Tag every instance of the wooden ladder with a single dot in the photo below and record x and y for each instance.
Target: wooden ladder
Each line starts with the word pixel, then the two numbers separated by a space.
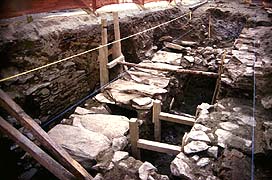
pixel 64 168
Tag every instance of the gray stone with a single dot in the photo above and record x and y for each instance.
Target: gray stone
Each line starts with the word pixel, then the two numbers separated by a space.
pixel 27 175
pixel 203 162
pixel 112 126
pixel 195 146
pixel 119 143
pixel 190 59
pixel 36 87
pixel 213 151
pixel 195 157
pixel 245 119
pixel 228 126
pixel 81 144
pixel 198 136
pixel 179 167
pixel 82 111
pixel 145 170
pixel 119 155
pixel 99 176
pixel 226 138
pixel 200 127
pixel 267 102
pixel 142 101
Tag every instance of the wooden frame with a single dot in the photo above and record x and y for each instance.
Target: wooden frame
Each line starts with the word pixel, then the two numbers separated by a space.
pixel 104 52
pixel 137 144
pixel 39 155
pixel 158 116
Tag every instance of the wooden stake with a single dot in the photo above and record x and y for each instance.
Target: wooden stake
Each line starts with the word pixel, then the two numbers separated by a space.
pixel 60 154
pixel 156 120
pixel 218 81
pixel 183 71
pixel 103 55
pixel 44 159
pixel 134 137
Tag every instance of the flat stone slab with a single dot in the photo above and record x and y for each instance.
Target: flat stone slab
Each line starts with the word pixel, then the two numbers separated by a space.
pixel 167 57
pixel 80 143
pixel 112 126
pixel 148 78
pixel 132 87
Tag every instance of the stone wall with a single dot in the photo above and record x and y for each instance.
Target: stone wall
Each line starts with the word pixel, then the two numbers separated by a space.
pixel 27 44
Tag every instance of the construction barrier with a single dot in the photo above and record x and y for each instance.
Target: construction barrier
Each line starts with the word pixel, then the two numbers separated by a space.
pixel 13 8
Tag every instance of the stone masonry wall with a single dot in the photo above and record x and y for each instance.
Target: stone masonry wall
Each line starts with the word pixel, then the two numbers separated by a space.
pixel 28 44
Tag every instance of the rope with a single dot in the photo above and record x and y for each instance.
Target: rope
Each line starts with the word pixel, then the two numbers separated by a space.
pixel 88 51
pixel 253 111
pixel 93 93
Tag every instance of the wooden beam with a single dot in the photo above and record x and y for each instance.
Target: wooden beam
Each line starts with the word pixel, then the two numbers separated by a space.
pixel 115 62
pixel 159 147
pixel 182 71
pixel 155 119
pixel 60 154
pixel 44 159
pixel 103 55
pixel 134 137
pixel 177 119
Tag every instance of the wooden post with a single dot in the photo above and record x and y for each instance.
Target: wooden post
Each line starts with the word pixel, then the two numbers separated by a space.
pixel 117 51
pixel 156 120
pixel 44 159
pixel 134 137
pixel 103 55
pixel 60 154
pixel 117 47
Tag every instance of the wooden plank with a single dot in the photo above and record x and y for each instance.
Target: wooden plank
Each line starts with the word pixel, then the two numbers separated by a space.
pixel 60 154
pixel 103 55
pixel 39 155
pixel 158 147
pixel 177 119
pixel 115 62
pixel 134 137
pixel 155 119
pixel 182 71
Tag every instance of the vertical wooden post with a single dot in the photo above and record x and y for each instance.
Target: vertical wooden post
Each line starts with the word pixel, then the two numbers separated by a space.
pixel 156 120
pixel 103 55
pixel 116 46
pixel 134 137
